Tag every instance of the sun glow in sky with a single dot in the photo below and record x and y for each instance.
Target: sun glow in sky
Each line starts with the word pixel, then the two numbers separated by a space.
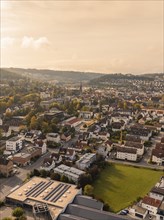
pixel 100 36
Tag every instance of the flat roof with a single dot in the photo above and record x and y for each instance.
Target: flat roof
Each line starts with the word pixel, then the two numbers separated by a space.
pixel 55 194
pixel 16 138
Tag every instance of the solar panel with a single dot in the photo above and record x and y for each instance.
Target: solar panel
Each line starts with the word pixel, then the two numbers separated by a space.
pixel 56 197
pixel 42 189
pixel 34 188
pixel 53 191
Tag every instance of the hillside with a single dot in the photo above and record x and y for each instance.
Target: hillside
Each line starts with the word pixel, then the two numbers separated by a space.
pixel 111 78
pixel 55 75
pixel 8 75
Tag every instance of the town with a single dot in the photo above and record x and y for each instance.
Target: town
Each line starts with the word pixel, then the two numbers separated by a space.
pixel 57 140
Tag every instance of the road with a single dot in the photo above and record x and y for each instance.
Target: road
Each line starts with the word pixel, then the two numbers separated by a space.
pixel 150 166
pixel 6 184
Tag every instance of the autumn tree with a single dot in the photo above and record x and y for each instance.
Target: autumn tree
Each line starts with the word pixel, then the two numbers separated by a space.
pixel 88 190
pixel 33 122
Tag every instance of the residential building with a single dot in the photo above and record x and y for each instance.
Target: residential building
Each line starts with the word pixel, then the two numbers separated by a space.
pixel 151 204
pixel 48 164
pixel 85 161
pixel 54 137
pixel 135 145
pixel 124 153
pixel 71 172
pixel 14 144
pixel 138 211
pixel 6 166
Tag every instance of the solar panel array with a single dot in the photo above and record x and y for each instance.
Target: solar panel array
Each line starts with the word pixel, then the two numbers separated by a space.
pixel 34 188
pixel 53 191
pixel 53 195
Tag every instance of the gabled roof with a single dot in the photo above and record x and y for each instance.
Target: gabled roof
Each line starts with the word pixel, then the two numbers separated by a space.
pixel 151 201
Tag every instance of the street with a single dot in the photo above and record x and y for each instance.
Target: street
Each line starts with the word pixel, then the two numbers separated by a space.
pixel 6 184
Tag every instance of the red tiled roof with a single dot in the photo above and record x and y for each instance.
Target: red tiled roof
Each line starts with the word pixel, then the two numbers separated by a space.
pixel 150 201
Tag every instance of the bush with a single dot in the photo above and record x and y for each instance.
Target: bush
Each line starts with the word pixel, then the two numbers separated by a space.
pixel 1 203
pixel 18 212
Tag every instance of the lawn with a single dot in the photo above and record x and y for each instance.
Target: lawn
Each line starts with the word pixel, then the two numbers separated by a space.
pixel 120 185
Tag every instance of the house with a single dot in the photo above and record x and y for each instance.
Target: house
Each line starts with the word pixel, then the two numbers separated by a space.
pixel 151 204
pixel 53 137
pixel 158 154
pixel 6 166
pixel 157 193
pixel 24 157
pixel 71 172
pixel 138 211
pixel 142 133
pixel 85 114
pixel 6 132
pixel 21 159
pixel 73 122
pixel 29 136
pixel 104 135
pixel 160 212
pixel 85 161
pixel 42 145
pixel 133 138
pixel 105 148
pixel 118 126
pixel 14 144
pixel 45 95
pixel 15 123
pixel 124 153
pixel 66 136
pixel 71 154
pixel 135 145
pixel 48 164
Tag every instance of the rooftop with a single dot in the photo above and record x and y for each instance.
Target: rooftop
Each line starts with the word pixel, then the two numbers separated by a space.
pixel 39 190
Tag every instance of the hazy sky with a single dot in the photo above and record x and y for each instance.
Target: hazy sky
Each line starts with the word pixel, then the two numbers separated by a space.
pixel 102 36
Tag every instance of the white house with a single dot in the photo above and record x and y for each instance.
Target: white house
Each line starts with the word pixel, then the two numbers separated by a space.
pixel 138 211
pixel 14 144
pixel 48 164
pixel 124 153
pixel 54 137
pixel 157 193
pixel 85 161
pixel 41 144
pixel 135 145
pixel 151 204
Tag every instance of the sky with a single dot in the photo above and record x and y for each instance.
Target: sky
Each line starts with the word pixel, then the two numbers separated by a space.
pixel 101 36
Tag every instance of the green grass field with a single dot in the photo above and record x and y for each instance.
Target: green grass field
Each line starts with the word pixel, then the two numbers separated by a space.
pixel 120 185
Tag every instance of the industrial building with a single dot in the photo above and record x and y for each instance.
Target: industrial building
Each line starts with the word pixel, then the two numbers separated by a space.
pixel 57 201
pixel 39 192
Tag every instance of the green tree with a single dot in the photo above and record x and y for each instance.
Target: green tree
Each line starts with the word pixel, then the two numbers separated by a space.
pixel 64 179
pixel 106 207
pixel 18 212
pixel 55 176
pixel 84 179
pixel 88 190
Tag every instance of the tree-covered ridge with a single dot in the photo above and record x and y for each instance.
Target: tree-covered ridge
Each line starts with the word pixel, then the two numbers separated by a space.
pixel 58 75
pixel 8 75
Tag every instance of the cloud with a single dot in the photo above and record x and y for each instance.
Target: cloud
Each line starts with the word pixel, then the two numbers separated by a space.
pixel 34 43
pixel 7 42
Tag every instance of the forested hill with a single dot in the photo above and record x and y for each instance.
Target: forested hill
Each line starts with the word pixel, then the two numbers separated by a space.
pixel 51 75
pixel 111 78
pixel 8 75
